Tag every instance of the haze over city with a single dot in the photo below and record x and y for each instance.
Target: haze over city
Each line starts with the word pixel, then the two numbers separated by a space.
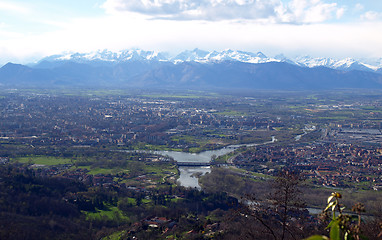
pixel 30 30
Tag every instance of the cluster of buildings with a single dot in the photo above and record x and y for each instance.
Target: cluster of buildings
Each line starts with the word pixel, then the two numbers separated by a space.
pixel 354 135
pixel 123 121
pixel 326 164
pixel 184 123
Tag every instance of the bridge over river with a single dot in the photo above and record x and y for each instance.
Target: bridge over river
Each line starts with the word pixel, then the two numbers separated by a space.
pixel 193 164
pixel 201 164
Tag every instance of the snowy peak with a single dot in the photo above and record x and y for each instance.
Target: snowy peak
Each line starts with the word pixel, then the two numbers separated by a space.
pixel 108 56
pixel 195 55
pixel 346 64
pixel 231 55
pixel 201 56
pixel 140 55
pixel 191 56
pixel 351 64
pixel 227 55
pixel 309 62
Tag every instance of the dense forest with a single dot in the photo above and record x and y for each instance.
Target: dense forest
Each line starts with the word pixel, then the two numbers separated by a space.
pixel 57 208
pixel 35 207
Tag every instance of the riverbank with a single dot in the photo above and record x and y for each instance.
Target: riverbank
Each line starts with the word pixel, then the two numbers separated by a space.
pixel 215 145
pixel 187 176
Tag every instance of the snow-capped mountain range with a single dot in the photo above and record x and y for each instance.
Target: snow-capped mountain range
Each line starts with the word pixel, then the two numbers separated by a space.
pixel 108 56
pixel 195 69
pixel 202 56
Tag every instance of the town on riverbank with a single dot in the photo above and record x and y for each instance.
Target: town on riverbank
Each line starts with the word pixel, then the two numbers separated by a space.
pixel 125 153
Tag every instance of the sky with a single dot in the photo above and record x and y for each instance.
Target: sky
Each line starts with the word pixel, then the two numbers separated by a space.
pixel 32 29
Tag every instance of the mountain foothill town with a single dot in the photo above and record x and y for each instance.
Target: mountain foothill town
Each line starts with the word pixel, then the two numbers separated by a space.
pixel 203 145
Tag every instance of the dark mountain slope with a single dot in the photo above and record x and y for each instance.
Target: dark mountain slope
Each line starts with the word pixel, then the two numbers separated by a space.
pixel 187 75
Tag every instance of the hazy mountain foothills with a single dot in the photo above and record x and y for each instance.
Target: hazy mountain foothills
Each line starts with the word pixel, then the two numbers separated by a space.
pixel 196 69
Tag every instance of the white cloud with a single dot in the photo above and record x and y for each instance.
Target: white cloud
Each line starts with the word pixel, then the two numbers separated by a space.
pixel 371 16
pixel 340 12
pixel 116 32
pixel 6 32
pixel 296 11
pixel 359 7
pixel 124 29
pixel 314 11
pixel 13 7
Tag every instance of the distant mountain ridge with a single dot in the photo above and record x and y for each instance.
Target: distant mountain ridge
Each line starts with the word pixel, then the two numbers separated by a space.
pixel 195 69
pixel 202 56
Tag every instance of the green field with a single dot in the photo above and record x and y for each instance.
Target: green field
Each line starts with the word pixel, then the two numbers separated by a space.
pixel 150 147
pixel 97 170
pixel 115 236
pixel 191 96
pixel 334 118
pixel 43 160
pixel 110 213
pixel 232 113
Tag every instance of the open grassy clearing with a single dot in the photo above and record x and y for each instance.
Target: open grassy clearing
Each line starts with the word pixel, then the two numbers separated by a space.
pixel 232 113
pixel 95 171
pixel 43 160
pixel 191 96
pixel 115 236
pixel 110 213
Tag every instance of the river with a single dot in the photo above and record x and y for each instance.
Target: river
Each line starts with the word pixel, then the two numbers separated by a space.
pixel 307 129
pixel 187 176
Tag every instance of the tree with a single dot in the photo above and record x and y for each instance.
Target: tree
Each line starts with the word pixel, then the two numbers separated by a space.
pixel 286 199
pixel 282 213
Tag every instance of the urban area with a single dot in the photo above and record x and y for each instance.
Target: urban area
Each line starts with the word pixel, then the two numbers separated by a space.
pixel 103 164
